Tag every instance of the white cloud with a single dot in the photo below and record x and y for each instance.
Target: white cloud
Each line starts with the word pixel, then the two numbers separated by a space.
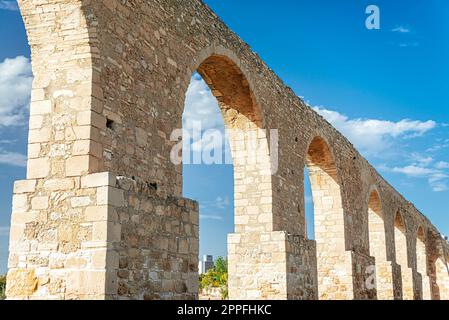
pixel 9 5
pixel 437 179
pixel 414 171
pixel 4 231
pixel 13 159
pixel 372 136
pixel 15 88
pixel 201 106
pixel 203 121
pixel 442 165
pixel 220 203
pixel 422 160
pixel 439 182
pixel 439 146
pixel 401 29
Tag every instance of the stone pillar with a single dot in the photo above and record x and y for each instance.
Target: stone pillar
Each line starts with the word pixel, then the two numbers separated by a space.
pixel 422 267
pixel 56 249
pixel 257 266
pixel 101 237
pixel 271 266
pixel 385 282
pixel 378 249
pixel 402 259
pixel 61 236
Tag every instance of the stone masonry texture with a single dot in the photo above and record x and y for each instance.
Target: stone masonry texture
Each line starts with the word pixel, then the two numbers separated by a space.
pixel 101 213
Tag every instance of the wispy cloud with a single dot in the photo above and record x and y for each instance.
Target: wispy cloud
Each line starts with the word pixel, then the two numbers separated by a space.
pixel 442 165
pixel 440 145
pixel 421 160
pixel 437 179
pixel 415 171
pixel 15 89
pixel 372 136
pixel 9 5
pixel 401 29
pixel 408 44
pixel 13 159
pixel 210 217
pixel 308 199
pixel 7 141
pixel 220 203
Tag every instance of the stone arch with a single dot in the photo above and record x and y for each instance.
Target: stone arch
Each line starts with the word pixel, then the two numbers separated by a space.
pixel 247 134
pixel 402 257
pixel 334 262
pixel 248 139
pixel 422 263
pixel 378 246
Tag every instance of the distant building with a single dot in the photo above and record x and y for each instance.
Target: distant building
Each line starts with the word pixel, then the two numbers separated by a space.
pixel 206 264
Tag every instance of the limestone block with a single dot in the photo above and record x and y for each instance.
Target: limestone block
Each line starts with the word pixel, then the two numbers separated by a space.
pixel 98 180
pixel 40 107
pixel 38 168
pixel 21 283
pixel 39 135
pixel 34 150
pixel 80 202
pixel 40 203
pixel 59 184
pixel 110 196
pixel 36 122
pixel 20 203
pixel 77 165
pixel 24 186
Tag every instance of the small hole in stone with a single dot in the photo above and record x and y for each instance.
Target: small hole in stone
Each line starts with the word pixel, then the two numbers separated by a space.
pixel 110 124
pixel 152 186
pixel 296 139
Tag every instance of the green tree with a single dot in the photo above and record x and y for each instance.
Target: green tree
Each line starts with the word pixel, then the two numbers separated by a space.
pixel 221 265
pixel 2 287
pixel 216 277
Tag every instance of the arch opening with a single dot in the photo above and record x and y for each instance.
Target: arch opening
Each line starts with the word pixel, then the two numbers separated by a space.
pixel 333 261
pixel 402 258
pixel 230 143
pixel 378 248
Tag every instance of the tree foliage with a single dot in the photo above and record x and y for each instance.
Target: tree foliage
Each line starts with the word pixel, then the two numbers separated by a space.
pixel 2 287
pixel 216 277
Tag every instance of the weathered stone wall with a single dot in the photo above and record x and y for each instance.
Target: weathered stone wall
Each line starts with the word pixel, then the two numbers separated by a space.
pixel 109 89
pixel 302 270
pixel 159 245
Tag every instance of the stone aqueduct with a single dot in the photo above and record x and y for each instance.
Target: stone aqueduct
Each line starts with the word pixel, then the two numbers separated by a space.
pixel 101 214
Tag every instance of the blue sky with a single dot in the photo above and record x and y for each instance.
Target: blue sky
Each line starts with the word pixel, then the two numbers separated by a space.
pixel 386 90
